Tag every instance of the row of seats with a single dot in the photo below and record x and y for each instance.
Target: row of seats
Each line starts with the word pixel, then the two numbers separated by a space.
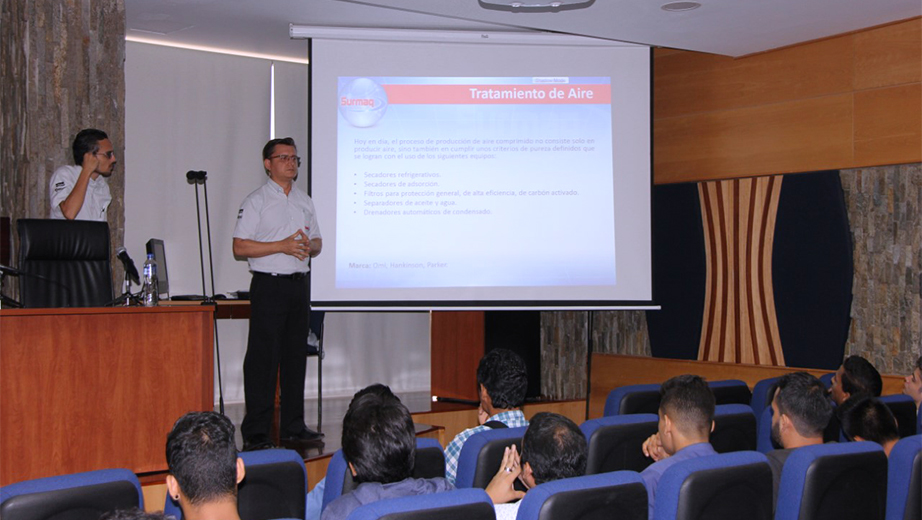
pixel 827 481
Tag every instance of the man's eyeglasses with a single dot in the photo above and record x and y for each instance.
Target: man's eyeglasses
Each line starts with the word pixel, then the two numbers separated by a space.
pixel 288 158
pixel 110 154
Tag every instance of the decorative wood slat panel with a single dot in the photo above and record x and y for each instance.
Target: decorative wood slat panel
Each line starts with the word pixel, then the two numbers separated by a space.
pixel 739 324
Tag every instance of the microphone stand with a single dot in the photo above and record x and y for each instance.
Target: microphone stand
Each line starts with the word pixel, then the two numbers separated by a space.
pixel 196 177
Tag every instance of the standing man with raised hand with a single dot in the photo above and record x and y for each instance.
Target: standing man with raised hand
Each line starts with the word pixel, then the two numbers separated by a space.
pixel 277 232
pixel 81 192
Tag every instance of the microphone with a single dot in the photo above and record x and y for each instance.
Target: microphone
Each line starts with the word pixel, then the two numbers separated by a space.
pixel 194 176
pixel 130 269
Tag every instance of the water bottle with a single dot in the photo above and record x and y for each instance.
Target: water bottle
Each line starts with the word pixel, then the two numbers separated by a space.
pixel 150 289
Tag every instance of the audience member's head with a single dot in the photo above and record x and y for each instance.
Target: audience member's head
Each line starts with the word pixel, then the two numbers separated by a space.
pixel 856 376
pixel 203 463
pixel 869 419
pixel 503 381
pixel 379 441
pixel 86 141
pixel 134 514
pixel 553 448
pixel 912 384
pixel 686 412
pixel 800 410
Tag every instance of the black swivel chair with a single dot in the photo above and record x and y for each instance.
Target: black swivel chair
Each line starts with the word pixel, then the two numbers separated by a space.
pixel 65 263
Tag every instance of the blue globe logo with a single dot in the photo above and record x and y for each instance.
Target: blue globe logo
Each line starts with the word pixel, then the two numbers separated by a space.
pixel 362 102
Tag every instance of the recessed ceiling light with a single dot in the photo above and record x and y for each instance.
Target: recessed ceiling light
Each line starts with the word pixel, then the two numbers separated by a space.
pixel 680 6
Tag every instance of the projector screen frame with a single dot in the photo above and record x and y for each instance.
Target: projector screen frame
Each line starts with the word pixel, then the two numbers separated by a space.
pixel 395 305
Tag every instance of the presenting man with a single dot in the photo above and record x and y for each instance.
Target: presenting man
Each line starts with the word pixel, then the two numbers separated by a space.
pixel 81 192
pixel 277 232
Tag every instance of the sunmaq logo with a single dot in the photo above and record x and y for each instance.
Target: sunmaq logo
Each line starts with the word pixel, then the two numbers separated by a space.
pixel 362 102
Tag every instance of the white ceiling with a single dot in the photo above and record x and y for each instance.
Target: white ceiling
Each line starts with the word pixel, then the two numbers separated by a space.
pixel 728 27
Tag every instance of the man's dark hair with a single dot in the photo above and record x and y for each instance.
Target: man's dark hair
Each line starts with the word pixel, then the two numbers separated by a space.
pixel 87 140
pixel 860 377
pixel 918 364
pixel 802 397
pixel 502 373
pixel 378 438
pixel 554 447
pixel 689 401
pixel 270 146
pixel 202 456
pixel 870 419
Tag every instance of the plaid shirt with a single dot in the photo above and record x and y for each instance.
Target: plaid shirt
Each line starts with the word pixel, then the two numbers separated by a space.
pixel 512 419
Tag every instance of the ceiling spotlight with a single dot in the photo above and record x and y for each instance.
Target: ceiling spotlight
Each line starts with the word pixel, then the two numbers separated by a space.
pixel 535 6
pixel 680 6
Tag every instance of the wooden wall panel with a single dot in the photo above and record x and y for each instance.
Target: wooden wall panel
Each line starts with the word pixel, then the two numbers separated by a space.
pixel 687 83
pixel 457 344
pixel 890 55
pixel 804 135
pixel 739 323
pixel 893 139
pixel 815 106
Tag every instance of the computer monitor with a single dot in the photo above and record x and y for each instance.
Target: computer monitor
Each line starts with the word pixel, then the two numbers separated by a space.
pixel 155 246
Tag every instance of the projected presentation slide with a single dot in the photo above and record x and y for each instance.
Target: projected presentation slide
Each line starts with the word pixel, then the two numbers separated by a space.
pixel 474 181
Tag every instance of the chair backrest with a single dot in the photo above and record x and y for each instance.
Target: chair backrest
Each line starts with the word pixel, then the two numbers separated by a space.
pixel 728 485
pixel 459 504
pixel 633 399
pixel 71 256
pixel 827 379
pixel 615 442
pixel 904 409
pixel 79 496
pixel 593 497
pixel 482 454
pixel 764 443
pixel 734 428
pixel 904 480
pixel 731 391
pixel 833 481
pixel 275 486
pixel 430 463
pixel 762 396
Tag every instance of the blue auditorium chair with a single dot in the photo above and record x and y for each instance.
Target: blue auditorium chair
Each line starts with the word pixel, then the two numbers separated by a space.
pixel 762 394
pixel 275 486
pixel 734 428
pixel 430 463
pixel 615 442
pixel 482 454
pixel 459 504
pixel 835 481
pixel 727 485
pixel 633 399
pixel 827 379
pixel 731 391
pixel 585 498
pixel 78 496
pixel 904 409
pixel 764 442
pixel 904 481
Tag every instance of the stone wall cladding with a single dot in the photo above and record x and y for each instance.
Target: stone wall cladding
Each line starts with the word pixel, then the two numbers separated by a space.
pixel 885 214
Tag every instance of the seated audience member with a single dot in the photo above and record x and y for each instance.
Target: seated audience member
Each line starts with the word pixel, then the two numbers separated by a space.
pixel 869 419
pixel 912 384
pixel 800 413
pixel 134 514
pixel 204 466
pixel 686 419
pixel 502 382
pixel 855 376
pixel 379 445
pixel 553 448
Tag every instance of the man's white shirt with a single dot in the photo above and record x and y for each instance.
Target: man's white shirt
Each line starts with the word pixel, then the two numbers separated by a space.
pixel 268 215
pixel 97 197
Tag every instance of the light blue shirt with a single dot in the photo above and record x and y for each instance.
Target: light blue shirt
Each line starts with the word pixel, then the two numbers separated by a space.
pixel 655 471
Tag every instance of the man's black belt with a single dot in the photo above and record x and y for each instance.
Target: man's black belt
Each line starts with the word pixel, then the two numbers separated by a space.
pixel 292 276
